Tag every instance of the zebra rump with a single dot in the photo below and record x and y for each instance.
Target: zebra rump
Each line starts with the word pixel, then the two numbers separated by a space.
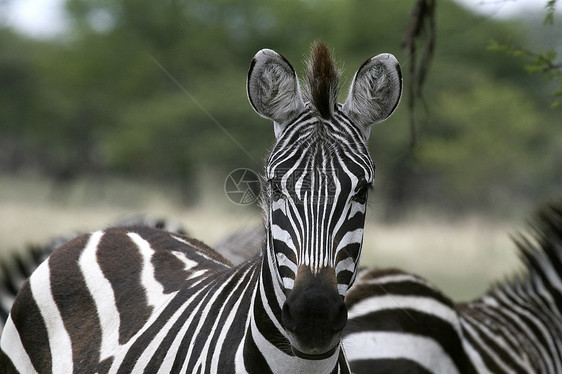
pixel 400 323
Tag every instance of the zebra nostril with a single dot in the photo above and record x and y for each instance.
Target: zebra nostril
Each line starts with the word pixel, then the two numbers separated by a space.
pixel 288 321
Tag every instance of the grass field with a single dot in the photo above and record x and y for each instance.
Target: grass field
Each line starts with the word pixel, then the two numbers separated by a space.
pixel 462 256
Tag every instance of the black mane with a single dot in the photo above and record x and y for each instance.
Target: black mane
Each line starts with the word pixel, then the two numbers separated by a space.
pixel 322 81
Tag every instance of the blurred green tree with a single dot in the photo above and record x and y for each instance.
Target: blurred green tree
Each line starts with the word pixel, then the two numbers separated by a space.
pixel 157 89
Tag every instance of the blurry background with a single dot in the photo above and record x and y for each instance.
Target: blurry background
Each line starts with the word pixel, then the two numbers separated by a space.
pixel 116 107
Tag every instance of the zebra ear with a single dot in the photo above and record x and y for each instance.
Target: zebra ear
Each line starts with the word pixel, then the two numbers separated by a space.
pixel 273 88
pixel 375 91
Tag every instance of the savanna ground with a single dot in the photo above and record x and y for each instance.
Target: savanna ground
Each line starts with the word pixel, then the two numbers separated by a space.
pixel 463 256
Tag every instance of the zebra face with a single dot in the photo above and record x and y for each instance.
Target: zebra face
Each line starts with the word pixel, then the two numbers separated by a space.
pixel 316 195
pixel 318 177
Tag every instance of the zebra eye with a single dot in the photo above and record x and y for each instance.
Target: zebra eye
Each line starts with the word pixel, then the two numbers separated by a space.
pixel 275 190
pixel 362 192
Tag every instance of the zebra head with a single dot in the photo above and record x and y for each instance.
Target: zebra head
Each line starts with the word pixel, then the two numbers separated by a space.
pixel 317 179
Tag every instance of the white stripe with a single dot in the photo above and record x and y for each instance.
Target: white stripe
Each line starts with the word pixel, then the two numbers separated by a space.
pixel 281 363
pixel 355 236
pixel 475 357
pixel 422 304
pixel 536 320
pixel 204 314
pixel 12 346
pixel 482 347
pixel 153 289
pixel 189 263
pixel 239 365
pixel 103 296
pixel 228 324
pixel 200 251
pixel 288 283
pixel 382 345
pixel 148 351
pixel 346 264
pixel 284 236
pixel 342 289
pixel 283 260
pixel 279 296
pixel 344 217
pixel 59 340
pixel 516 313
pixel 172 351
pixel 356 207
pixel 196 274
pixel 549 271
pixel 217 347
pixel 521 321
pixel 397 278
pixel 500 335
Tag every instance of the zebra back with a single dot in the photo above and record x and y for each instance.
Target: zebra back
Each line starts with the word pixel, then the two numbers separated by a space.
pixel 401 323
pixel 17 267
pixel 517 326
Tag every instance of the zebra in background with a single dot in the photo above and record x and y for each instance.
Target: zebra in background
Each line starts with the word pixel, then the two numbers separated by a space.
pixel 130 300
pixel 400 323
pixel 17 267
pixel 242 244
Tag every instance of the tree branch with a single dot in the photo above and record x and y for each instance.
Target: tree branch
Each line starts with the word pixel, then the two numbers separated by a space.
pixel 422 21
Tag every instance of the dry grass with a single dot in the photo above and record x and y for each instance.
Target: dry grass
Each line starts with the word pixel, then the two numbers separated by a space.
pixel 462 257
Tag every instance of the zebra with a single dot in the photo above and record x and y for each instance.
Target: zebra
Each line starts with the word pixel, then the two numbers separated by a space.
pixel 241 244
pixel 401 323
pixel 129 300
pixel 17 267
pixel 237 247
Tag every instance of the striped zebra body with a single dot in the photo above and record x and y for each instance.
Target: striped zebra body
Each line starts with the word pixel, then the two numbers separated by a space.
pixel 172 297
pixel 400 323
pixel 131 300
pixel 15 269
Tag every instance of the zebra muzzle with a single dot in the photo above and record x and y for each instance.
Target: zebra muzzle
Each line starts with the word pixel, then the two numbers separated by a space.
pixel 314 314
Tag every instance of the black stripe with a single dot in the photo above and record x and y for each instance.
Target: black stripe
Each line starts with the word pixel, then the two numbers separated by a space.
pixel 400 288
pixel 486 358
pixel 121 263
pixel 198 343
pixel 387 366
pixel 234 336
pixel 31 328
pixel 254 362
pixel 77 308
pixel 6 364
pixel 236 295
pixel 409 321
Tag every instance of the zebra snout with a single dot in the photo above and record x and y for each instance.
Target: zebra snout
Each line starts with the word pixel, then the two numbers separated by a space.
pixel 314 316
pixel 315 311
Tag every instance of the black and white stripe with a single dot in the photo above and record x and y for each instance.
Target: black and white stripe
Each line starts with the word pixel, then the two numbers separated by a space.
pixel 399 323
pixel 131 300
pixel 17 267
pixel 307 212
